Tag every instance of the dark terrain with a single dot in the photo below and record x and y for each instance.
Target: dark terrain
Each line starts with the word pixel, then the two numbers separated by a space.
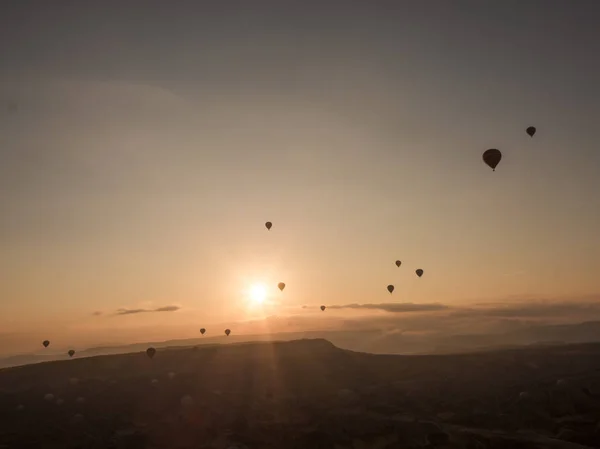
pixel 306 394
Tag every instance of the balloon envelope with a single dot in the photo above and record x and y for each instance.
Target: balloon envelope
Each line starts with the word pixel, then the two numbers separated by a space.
pixel 419 272
pixel 323 307
pixel 531 131
pixel 268 224
pixel 281 286
pixel 46 343
pixel 150 352
pixel 390 288
pixel 492 158
pixel 71 353
pixel 227 332
pixel 398 263
pixel 202 331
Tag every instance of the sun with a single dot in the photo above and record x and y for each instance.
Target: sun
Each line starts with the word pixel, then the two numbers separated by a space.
pixel 258 294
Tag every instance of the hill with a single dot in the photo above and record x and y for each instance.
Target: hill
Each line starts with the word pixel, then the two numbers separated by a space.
pixel 306 393
pixel 374 341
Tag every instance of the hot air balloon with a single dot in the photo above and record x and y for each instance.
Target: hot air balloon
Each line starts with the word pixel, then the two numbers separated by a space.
pixel 71 353
pixel 390 288
pixel 281 286
pixel 227 332
pixel 323 308
pixel 419 272
pixel 398 263
pixel 150 352
pixel 268 224
pixel 187 401
pixel 202 331
pixel 77 419
pixel 46 343
pixel 492 158
pixel 531 131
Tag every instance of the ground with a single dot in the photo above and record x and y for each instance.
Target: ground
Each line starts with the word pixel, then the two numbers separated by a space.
pixel 306 394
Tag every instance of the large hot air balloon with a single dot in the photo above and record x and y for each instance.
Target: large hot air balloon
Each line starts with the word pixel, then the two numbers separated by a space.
pixel 71 353
pixel 398 263
pixel 227 332
pixel 202 331
pixel 492 158
pixel 323 308
pixel 281 286
pixel 531 131
pixel 390 288
pixel 268 224
pixel 419 272
pixel 150 352
pixel 46 343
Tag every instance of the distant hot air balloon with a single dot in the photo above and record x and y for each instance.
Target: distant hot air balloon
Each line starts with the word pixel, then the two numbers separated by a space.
pixel 419 272
pixel 202 331
pixel 268 224
pixel 323 308
pixel 77 419
pixel 398 263
pixel 227 332
pixel 71 353
pixel 187 401
pixel 150 352
pixel 46 343
pixel 281 286
pixel 531 131
pixel 492 158
pixel 390 288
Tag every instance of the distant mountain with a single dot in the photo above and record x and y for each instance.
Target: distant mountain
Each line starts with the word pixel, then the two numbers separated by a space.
pixel 371 341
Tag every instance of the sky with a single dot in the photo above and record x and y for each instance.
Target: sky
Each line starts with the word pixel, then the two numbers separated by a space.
pixel 143 145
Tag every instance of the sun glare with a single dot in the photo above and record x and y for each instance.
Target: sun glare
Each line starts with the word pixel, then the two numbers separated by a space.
pixel 258 294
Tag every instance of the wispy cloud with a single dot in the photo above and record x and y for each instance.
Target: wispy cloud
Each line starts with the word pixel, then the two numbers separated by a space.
pixel 124 311
pixel 97 313
pixel 394 307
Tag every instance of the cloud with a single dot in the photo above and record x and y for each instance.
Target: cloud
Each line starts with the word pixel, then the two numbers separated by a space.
pixel 97 313
pixel 124 311
pixel 394 307
pixel 540 309
pixel 167 309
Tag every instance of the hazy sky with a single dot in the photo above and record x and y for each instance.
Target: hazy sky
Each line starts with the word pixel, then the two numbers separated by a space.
pixel 151 140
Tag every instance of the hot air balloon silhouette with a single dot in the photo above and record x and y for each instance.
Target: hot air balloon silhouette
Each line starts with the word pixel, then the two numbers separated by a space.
pixel 202 331
pixel 268 224
pixel 398 263
pixel 281 286
pixel 71 353
pixel 227 332
pixel 390 288
pixel 492 158
pixel 46 343
pixel 150 352
pixel 531 131
pixel 419 272
pixel 323 308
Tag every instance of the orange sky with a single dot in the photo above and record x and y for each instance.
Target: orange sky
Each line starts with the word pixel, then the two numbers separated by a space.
pixel 126 190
